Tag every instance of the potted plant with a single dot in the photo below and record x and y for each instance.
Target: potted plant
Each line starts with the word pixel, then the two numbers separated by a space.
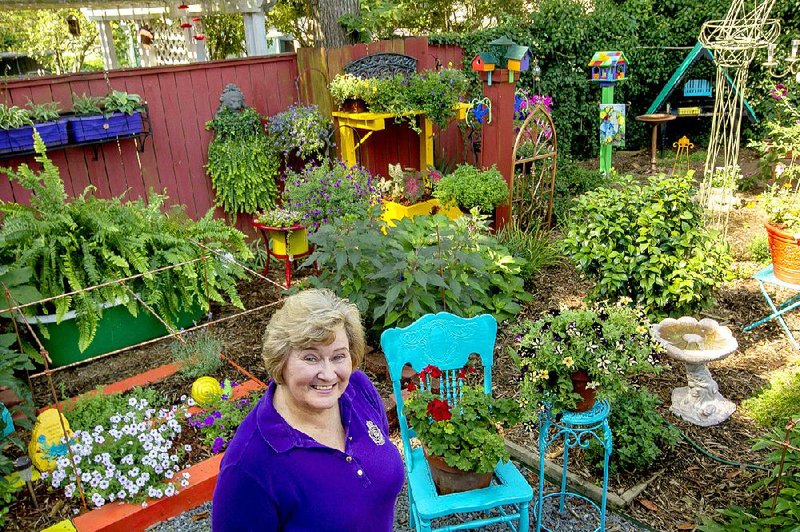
pixel 781 202
pixel 88 241
pixel 287 234
pixel 408 193
pixel 14 123
pixel 329 191
pixel 348 93
pixel 301 131
pixel 461 439
pixel 568 358
pixel 469 187
pixel 121 115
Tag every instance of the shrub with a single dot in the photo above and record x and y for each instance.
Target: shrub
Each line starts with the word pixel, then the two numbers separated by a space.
pixel 641 435
pixel 242 162
pixel 648 243
pixel 199 354
pixel 422 265
pixel 470 187
pixel 759 249
pixel 778 401
pixel 532 244
pixel 330 191
pixel 572 180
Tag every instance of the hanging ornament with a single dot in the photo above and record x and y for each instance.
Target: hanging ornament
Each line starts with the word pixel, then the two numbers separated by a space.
pixel 186 25
pixel 199 37
pixel 183 6
pixel 195 19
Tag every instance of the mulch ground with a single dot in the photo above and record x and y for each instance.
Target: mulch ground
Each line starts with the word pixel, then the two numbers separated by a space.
pixel 684 485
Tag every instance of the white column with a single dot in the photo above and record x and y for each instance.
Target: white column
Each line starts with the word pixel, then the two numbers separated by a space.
pixel 107 44
pixel 255 33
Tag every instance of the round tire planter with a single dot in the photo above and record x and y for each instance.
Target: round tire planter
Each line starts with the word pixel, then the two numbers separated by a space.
pixel 588 395
pixel 785 250
pixel 117 328
pixel 452 480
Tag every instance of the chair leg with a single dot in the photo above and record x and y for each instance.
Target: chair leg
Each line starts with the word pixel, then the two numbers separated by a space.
pixel 524 519
pixel 562 498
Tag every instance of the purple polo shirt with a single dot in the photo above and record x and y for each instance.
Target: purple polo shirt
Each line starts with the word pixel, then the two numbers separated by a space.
pixel 274 477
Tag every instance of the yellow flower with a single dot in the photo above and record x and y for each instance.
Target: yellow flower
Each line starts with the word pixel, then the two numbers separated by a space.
pixel 374 90
pixel 787 185
pixel 751 205
pixel 568 361
pixel 449 64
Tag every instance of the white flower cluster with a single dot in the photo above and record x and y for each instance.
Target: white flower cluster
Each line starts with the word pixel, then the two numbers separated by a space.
pixel 132 458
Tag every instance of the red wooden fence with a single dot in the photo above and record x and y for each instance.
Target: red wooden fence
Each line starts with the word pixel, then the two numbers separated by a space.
pixel 181 100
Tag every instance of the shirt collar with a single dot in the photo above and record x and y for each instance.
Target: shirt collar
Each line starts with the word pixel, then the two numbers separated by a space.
pixel 283 437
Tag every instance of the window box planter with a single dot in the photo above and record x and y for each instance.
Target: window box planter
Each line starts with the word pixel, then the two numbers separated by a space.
pixel 21 139
pixel 393 211
pixel 98 127
pixel 117 329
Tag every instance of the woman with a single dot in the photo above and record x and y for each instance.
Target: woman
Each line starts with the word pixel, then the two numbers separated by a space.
pixel 314 454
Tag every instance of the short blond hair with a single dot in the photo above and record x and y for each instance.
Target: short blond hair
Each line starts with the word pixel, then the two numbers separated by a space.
pixel 308 318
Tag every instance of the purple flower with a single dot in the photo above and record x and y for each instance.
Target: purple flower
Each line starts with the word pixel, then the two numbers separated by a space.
pixel 218 445
pixel 209 421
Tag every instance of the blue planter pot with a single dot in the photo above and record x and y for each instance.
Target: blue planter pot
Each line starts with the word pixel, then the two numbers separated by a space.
pixel 99 127
pixel 21 139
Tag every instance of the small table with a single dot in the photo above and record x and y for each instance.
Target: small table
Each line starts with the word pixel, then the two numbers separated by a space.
pixel 656 119
pixel 577 429
pixel 285 254
pixel 767 275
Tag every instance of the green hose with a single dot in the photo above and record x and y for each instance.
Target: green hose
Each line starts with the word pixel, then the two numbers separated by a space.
pixel 717 458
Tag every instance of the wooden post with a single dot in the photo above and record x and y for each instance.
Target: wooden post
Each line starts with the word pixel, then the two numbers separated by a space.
pixel 606 97
pixel 498 137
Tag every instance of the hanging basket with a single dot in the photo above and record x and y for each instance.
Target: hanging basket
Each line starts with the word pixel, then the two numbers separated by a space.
pixel 452 480
pixel 785 250
pixel 588 395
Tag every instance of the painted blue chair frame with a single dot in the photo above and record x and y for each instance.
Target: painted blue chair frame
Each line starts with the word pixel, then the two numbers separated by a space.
pixel 767 276
pixel 446 341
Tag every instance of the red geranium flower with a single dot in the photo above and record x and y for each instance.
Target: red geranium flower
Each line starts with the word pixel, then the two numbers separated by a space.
pixel 462 373
pixel 411 386
pixel 431 370
pixel 439 410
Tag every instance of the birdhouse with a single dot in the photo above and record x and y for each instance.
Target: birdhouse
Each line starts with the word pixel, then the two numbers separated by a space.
pixel 484 62
pixel 608 67
pixel 518 58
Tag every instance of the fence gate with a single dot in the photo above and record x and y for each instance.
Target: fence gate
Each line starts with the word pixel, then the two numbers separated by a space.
pixel 535 162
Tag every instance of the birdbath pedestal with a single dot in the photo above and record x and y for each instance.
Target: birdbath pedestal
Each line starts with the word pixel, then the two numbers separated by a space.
pixel 696 343
pixel 656 119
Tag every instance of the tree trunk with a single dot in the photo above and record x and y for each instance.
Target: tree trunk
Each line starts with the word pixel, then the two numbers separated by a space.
pixel 328 32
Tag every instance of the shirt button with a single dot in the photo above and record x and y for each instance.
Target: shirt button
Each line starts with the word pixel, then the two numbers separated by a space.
pixel 360 473
pixel 350 438
pixel 349 459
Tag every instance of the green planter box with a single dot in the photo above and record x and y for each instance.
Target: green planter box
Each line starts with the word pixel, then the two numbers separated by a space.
pixel 117 329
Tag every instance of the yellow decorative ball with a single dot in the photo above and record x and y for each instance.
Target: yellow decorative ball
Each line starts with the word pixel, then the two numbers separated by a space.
pixel 206 390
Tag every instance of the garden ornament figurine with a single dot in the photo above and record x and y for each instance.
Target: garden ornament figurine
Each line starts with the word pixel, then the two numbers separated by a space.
pixel 315 452
pixel 231 98
pixel 683 145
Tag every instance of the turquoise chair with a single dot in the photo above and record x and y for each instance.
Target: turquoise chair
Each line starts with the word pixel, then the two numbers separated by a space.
pixel 446 341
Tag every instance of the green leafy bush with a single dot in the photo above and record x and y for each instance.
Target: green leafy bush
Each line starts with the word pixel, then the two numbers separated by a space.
pixel 641 435
pixel 422 265
pixel 199 354
pixel 470 187
pixel 95 408
pixel 330 191
pixel 242 162
pixel 43 112
pixel 775 405
pixel 648 243
pixel 759 249
pixel 532 244
pixel 86 241
pixel 121 102
pixel 784 517
pixel 572 180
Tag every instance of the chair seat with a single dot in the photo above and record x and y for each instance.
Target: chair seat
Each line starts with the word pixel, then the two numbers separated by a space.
pixel 509 487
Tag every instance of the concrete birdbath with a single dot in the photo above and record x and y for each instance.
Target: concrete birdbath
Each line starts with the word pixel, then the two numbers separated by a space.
pixel 696 343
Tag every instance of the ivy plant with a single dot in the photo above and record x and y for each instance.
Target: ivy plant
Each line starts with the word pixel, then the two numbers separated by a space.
pixel 422 265
pixel 74 244
pixel 242 162
pixel 647 243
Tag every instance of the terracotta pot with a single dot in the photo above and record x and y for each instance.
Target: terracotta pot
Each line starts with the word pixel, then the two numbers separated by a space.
pixel 354 105
pixel 579 381
pixel 785 251
pixel 451 480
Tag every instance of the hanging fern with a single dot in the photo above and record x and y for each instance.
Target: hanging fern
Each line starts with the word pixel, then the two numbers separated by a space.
pixel 242 163
pixel 72 245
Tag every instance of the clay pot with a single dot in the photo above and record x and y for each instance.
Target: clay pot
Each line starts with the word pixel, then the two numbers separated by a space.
pixel 451 480
pixel 785 251
pixel 579 381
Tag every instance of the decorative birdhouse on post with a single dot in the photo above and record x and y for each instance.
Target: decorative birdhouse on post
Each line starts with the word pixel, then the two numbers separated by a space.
pixel 511 56
pixel 608 67
pixel 485 62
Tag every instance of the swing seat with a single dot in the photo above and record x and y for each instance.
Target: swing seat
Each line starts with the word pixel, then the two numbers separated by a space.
pixel 697 87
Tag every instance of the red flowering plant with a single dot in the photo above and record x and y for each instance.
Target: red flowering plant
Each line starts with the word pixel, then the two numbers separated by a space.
pixel 465 431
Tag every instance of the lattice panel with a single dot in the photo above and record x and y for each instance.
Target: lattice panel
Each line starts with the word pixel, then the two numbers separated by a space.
pixel 169 42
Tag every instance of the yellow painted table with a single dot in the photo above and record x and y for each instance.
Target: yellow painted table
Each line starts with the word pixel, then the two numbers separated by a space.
pixel 371 122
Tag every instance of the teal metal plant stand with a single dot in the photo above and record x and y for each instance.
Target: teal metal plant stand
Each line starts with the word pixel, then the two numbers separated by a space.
pixel 767 276
pixel 577 429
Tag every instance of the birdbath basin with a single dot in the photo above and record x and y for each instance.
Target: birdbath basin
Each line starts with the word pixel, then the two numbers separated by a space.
pixel 656 119
pixel 696 343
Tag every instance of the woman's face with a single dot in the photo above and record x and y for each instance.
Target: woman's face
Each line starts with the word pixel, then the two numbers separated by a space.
pixel 315 377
